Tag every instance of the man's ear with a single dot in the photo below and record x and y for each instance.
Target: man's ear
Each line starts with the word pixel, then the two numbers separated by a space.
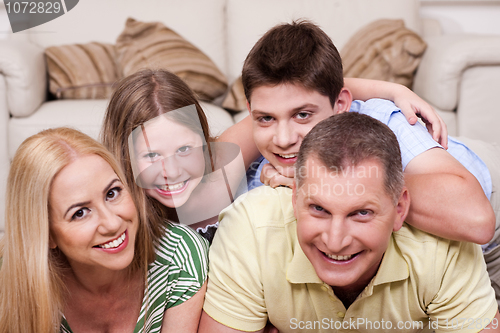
pixel 343 103
pixel 402 208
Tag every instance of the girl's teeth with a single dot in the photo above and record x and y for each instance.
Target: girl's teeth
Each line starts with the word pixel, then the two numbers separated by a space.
pixel 171 187
pixel 339 258
pixel 117 242
pixel 288 156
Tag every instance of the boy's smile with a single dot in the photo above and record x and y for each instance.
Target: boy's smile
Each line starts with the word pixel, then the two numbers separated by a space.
pixel 282 115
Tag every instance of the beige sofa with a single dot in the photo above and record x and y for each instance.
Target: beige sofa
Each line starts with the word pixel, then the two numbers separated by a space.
pixel 459 75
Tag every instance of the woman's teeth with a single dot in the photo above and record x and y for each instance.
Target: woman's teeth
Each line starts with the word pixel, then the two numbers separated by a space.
pixel 339 258
pixel 172 187
pixel 117 242
pixel 288 155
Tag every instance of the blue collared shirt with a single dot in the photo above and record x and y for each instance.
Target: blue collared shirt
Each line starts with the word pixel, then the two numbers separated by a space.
pixel 413 140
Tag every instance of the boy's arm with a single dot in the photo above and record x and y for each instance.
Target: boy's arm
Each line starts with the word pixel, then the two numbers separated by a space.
pixel 446 199
pixel 241 134
pixel 410 103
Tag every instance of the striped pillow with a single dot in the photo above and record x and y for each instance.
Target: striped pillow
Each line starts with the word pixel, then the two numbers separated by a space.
pixel 82 71
pixel 153 45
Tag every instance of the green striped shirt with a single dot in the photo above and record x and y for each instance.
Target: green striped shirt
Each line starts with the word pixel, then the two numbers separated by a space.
pixel 179 271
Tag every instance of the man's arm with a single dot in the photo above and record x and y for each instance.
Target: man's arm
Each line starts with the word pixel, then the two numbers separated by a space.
pixel 209 325
pixel 446 199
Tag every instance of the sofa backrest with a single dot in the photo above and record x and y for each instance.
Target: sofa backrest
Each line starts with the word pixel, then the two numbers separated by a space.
pixel 225 30
pixel 199 21
pixel 248 20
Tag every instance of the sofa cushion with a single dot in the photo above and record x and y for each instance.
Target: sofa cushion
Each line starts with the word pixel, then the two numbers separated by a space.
pixel 235 99
pixel 82 71
pixel 153 45
pixel 383 50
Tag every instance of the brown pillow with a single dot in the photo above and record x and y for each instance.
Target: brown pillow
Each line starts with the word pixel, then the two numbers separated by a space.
pixel 152 45
pixel 383 50
pixel 235 99
pixel 82 71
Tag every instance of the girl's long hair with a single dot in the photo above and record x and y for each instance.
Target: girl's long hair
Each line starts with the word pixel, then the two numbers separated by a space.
pixel 137 99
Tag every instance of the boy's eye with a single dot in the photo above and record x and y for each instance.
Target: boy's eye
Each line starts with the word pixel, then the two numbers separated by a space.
pixel 265 119
pixel 303 115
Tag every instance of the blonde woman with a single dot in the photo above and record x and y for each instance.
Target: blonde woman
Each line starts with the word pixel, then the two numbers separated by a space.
pixel 76 256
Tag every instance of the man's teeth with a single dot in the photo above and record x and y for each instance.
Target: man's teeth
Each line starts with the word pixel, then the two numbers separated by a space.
pixel 288 155
pixel 117 242
pixel 171 187
pixel 339 258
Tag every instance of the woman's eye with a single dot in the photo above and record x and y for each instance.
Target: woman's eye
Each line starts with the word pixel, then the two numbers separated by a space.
pixel 113 193
pixel 79 214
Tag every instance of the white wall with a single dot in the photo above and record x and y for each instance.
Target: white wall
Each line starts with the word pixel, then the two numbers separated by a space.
pixel 455 16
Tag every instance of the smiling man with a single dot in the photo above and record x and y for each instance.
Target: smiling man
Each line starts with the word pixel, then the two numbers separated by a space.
pixel 335 254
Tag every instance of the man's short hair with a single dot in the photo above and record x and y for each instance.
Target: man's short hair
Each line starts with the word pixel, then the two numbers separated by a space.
pixel 347 139
pixel 295 53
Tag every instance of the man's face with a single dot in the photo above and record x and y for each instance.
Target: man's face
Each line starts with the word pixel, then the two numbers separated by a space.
pixel 282 115
pixel 345 220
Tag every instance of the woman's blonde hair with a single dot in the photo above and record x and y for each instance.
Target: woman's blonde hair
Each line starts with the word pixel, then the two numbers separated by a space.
pixel 31 287
pixel 137 99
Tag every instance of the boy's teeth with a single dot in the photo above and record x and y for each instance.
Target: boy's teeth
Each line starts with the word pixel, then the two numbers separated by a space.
pixel 288 156
pixel 339 258
pixel 171 187
pixel 117 242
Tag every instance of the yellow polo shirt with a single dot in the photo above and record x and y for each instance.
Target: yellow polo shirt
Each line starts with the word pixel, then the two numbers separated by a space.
pixel 259 272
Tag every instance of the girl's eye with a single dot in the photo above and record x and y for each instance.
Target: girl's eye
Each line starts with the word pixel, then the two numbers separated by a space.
pixel 113 193
pixel 80 214
pixel 184 149
pixel 152 155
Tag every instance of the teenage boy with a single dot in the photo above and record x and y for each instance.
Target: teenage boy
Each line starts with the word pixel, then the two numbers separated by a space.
pixel 336 255
pixel 293 79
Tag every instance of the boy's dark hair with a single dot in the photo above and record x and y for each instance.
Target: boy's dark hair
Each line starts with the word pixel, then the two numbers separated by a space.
pixel 296 53
pixel 347 139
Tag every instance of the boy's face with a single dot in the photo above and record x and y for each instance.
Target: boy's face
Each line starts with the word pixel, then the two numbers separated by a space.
pixel 283 114
pixel 345 220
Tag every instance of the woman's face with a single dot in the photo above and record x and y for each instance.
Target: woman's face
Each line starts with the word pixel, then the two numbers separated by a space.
pixel 93 219
pixel 169 157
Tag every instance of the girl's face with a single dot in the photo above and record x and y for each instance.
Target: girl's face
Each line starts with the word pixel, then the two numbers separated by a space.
pixel 93 219
pixel 170 160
